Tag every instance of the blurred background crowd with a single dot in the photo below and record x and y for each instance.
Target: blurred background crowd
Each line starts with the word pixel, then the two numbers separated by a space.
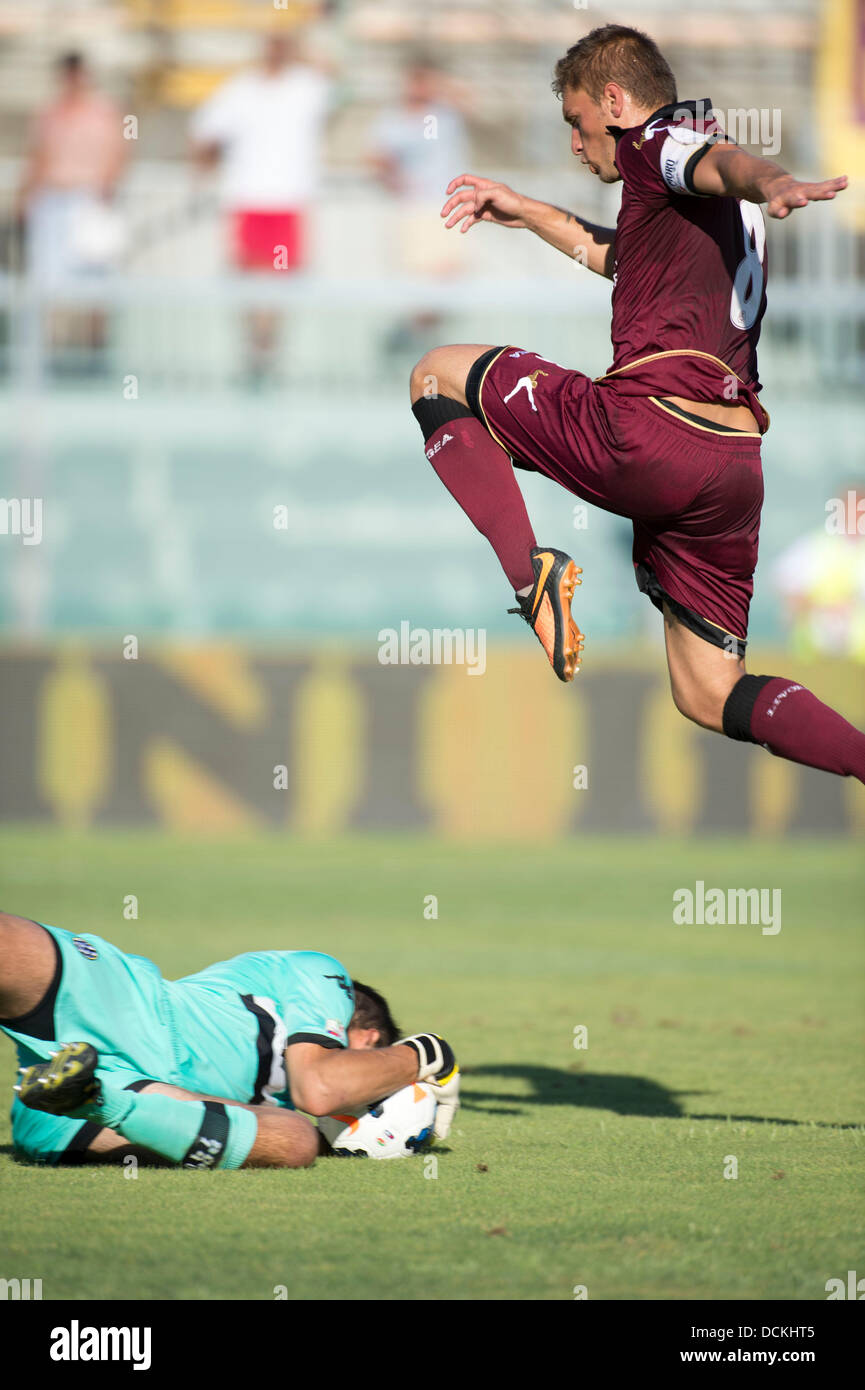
pixel 206 203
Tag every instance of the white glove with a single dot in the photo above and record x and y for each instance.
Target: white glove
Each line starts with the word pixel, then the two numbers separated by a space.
pixel 437 1066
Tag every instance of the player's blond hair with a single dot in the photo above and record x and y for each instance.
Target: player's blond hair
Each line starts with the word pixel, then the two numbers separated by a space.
pixel 614 53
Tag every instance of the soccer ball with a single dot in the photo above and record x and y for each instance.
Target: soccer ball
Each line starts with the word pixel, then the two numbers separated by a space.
pixel 392 1128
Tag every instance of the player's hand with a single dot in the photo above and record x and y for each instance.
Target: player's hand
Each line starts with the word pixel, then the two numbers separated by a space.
pixel 473 199
pixel 785 194
pixel 437 1066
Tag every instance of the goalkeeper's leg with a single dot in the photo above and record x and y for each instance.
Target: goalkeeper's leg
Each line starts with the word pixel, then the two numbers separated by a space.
pixel 190 1131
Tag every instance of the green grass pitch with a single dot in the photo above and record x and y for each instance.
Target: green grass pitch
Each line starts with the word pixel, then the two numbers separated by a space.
pixel 601 1167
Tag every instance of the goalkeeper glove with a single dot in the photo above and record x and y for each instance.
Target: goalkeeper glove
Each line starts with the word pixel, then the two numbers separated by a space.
pixel 437 1065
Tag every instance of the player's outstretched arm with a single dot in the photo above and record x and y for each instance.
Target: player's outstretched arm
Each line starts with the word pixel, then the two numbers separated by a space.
pixel 730 172
pixel 324 1080
pixel 472 199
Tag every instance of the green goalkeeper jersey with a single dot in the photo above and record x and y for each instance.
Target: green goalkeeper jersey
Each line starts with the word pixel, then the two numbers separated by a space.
pixel 221 1032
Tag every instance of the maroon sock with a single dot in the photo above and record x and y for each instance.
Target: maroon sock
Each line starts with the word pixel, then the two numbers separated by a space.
pixel 792 723
pixel 478 473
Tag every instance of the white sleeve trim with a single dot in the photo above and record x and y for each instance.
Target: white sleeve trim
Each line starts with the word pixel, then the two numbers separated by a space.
pixel 675 155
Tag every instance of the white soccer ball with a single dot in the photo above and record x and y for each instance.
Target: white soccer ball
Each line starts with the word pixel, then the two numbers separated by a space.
pixel 400 1125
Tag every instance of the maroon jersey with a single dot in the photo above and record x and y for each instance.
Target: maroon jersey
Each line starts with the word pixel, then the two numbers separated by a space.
pixel 690 280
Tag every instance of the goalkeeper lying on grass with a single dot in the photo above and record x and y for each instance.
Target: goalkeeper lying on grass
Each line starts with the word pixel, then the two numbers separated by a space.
pixel 206 1072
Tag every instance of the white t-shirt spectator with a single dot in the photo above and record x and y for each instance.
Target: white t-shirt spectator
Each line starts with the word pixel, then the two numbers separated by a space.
pixel 269 128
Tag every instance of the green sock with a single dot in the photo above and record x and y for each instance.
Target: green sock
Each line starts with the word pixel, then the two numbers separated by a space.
pixel 195 1133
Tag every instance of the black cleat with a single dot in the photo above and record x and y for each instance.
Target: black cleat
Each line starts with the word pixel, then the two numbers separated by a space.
pixel 62 1084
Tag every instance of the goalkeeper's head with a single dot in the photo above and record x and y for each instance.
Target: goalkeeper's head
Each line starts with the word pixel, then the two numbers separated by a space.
pixel 372 1023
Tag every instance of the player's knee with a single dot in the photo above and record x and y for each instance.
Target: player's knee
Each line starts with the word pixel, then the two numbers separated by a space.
pixel 305 1148
pixel 284 1141
pixel 425 376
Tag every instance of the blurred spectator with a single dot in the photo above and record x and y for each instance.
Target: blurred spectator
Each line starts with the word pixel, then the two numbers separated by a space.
pixel 264 128
pixel 76 158
pixel 821 578
pixel 417 147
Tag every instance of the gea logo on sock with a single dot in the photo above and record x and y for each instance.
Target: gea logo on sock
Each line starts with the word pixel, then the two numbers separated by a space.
pixel 782 695
pixel 445 439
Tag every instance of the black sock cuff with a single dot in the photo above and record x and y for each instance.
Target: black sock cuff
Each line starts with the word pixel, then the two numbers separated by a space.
pixel 431 412
pixel 740 706
pixel 208 1146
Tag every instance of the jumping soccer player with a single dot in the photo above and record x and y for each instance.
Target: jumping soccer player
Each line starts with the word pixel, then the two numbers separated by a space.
pixel 206 1071
pixel 670 435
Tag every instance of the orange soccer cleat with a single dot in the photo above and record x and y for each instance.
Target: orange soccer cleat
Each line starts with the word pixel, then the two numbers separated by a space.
pixel 547 609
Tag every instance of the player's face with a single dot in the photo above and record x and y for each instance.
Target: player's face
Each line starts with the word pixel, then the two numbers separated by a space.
pixel 591 142
pixel 361 1038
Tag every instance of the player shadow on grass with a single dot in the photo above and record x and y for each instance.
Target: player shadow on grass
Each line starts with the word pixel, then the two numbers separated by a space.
pixel 623 1095
pixel 144 1158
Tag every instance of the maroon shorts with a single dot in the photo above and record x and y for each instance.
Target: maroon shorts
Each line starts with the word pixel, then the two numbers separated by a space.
pixel 270 240
pixel 693 491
